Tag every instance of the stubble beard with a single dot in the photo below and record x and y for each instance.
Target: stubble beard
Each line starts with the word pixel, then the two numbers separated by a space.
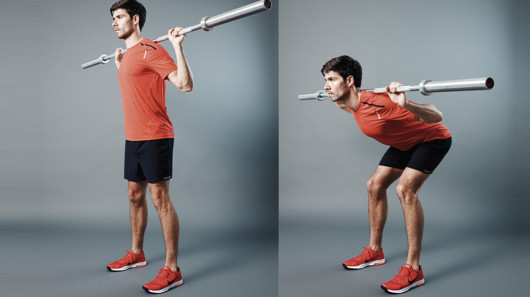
pixel 125 35
pixel 339 98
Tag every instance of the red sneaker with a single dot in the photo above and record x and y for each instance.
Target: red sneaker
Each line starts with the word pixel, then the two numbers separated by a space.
pixel 131 260
pixel 368 257
pixel 406 279
pixel 165 280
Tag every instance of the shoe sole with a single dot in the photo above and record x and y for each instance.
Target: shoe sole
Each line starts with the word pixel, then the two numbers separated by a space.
pixel 412 286
pixel 373 263
pixel 163 290
pixel 135 265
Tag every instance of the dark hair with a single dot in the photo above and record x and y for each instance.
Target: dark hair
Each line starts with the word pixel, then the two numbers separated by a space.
pixel 345 66
pixel 132 7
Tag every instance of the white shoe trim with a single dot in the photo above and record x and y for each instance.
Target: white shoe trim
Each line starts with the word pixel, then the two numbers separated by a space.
pixel 163 290
pixel 405 289
pixel 129 266
pixel 372 263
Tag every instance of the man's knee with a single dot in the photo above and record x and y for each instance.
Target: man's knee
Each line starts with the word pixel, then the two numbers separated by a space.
pixel 375 187
pixel 406 193
pixel 136 196
pixel 160 198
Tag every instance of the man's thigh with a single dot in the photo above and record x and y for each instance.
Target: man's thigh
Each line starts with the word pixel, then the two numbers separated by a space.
pixel 428 155
pixel 159 189
pixel 384 176
pixel 412 179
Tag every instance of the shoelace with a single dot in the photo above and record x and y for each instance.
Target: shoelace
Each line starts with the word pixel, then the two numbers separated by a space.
pixel 163 277
pixel 365 255
pixel 128 257
pixel 403 274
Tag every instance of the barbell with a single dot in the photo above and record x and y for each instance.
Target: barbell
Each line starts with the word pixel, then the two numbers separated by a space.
pixel 426 87
pixel 207 24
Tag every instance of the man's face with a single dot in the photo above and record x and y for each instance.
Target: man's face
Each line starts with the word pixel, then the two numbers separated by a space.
pixel 122 23
pixel 335 86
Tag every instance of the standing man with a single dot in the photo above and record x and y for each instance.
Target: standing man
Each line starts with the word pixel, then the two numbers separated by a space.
pixel 142 73
pixel 418 142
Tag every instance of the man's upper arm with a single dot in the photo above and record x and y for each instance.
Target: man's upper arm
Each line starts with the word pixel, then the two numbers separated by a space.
pixel 433 115
pixel 172 76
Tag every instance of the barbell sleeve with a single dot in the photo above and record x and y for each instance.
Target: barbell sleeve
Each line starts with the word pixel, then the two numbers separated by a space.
pixel 103 59
pixel 320 95
pixel 207 24
pixel 426 87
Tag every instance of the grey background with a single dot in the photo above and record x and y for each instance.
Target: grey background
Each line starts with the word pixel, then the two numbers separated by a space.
pixel 476 203
pixel 64 213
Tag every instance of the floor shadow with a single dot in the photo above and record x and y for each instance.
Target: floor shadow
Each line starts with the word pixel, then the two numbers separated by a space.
pixel 483 243
pixel 230 250
pixel 236 248
pixel 460 265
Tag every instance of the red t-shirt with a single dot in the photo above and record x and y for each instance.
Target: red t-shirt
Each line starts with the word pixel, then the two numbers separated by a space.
pixel 142 74
pixel 385 121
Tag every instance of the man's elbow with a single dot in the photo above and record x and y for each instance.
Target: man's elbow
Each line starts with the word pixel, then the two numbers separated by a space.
pixel 438 117
pixel 186 88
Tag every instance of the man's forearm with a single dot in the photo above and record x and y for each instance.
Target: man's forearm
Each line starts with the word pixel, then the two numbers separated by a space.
pixel 184 79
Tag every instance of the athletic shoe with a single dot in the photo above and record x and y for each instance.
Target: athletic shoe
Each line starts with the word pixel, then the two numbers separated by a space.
pixel 131 260
pixel 367 258
pixel 406 279
pixel 165 280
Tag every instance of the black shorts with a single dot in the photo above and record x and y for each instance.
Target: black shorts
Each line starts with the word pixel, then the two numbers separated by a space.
pixel 150 160
pixel 424 157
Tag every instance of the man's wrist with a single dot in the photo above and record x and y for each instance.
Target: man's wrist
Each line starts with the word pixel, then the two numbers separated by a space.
pixel 177 45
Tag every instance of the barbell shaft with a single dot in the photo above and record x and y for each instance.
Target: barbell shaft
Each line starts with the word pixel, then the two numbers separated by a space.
pixel 207 24
pixel 426 87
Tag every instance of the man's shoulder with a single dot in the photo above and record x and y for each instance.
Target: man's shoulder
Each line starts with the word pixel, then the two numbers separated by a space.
pixel 149 45
pixel 371 97
pixel 154 51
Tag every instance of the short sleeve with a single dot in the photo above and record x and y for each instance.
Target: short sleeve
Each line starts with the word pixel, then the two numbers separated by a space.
pixel 161 62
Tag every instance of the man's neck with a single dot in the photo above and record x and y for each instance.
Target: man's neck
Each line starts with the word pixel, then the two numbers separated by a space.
pixel 133 39
pixel 353 100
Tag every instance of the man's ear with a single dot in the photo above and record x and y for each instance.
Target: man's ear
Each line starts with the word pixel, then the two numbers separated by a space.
pixel 136 19
pixel 350 81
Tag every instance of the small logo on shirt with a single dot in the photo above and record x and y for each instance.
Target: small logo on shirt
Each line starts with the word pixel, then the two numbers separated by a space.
pixel 145 44
pixel 167 177
pixel 373 104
